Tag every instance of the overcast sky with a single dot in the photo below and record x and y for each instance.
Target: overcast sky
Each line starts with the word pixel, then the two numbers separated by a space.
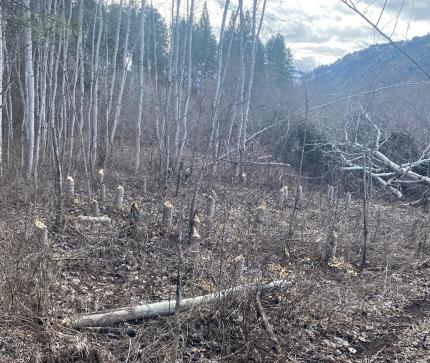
pixel 321 31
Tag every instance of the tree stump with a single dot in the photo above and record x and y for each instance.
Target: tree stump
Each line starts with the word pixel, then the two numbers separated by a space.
pixel 100 176
pixel 119 200
pixel 211 206
pixel 348 200
pixel 167 214
pixel 70 188
pixel 41 231
pixel 95 210
pixel 299 197
pixel 282 195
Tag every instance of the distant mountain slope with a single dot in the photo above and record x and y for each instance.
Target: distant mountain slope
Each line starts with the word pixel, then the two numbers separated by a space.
pixel 376 66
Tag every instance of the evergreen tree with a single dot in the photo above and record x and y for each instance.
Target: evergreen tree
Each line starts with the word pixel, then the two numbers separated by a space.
pixel 279 59
pixel 204 44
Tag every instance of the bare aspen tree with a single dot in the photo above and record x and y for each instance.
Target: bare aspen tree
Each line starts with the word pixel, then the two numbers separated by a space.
pixel 214 138
pixel 113 74
pixel 253 56
pixel 189 86
pixel 139 118
pixel 241 128
pixel 64 65
pixel 178 79
pixel 155 88
pixel 365 261
pixel 42 119
pixel 125 63
pixel 76 73
pixel 95 70
pixel 2 98
pixel 29 86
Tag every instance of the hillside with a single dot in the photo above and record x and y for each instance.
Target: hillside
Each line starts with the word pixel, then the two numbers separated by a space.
pixel 376 66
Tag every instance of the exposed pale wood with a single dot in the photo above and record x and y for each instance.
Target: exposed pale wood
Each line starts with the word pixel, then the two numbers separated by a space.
pixel 102 219
pixel 70 188
pixel 41 231
pixel 162 307
pixel 167 214
pixel 119 200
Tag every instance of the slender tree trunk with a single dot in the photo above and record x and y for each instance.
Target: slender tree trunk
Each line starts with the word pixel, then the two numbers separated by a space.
pixel 139 118
pixel 113 76
pixel 78 66
pixel 94 118
pixel 241 128
pixel 189 85
pixel 215 104
pixel 2 98
pixel 29 85
pixel 255 36
pixel 123 77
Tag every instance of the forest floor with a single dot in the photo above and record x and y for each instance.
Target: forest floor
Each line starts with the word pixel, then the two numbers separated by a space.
pixel 329 314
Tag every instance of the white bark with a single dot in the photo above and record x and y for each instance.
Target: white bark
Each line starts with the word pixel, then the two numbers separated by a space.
pixel 348 199
pixel 163 307
pixel 189 86
pixel 282 195
pixel 255 36
pixel 91 219
pixel 218 89
pixel 125 64
pixel 119 201
pixel 95 209
pixel 29 84
pixel 167 214
pixel 77 71
pixel 70 188
pixel 139 118
pixel 41 231
pixel 113 75
pixel 94 118
pixel 2 98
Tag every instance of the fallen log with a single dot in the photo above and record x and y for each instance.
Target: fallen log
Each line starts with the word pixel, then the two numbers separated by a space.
pixel 102 219
pixel 160 308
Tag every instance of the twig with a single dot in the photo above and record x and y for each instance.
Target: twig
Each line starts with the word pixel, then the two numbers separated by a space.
pixel 266 322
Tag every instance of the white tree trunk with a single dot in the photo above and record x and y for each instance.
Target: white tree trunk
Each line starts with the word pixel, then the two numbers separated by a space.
pixel 29 84
pixel 2 98
pixel 94 118
pixel 163 307
pixel 139 118
pixel 123 77
pixel 189 86
pixel 113 76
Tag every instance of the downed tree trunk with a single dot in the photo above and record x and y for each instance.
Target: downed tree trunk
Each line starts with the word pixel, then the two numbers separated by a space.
pixel 160 308
pixel 102 219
